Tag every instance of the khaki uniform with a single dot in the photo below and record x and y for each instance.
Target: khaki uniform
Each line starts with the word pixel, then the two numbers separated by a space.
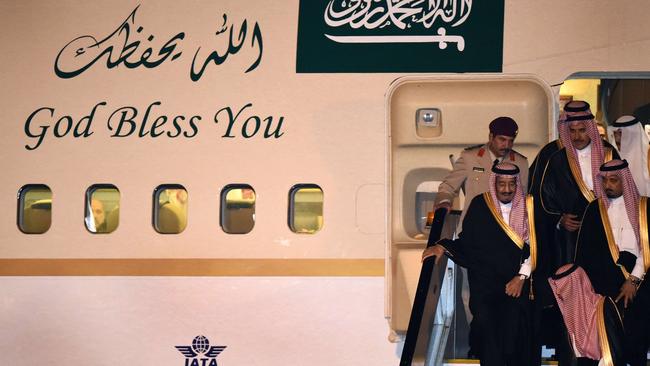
pixel 472 171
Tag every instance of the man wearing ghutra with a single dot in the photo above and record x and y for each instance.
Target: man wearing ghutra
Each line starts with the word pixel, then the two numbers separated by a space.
pixel 613 249
pixel 570 180
pixel 547 321
pixel 537 167
pixel 630 138
pixel 497 246
pixel 472 169
pixel 471 172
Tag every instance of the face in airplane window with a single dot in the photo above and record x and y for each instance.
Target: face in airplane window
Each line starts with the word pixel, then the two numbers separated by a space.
pixel 99 216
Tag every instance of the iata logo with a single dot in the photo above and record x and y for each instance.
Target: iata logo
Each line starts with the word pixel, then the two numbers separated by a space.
pixel 200 347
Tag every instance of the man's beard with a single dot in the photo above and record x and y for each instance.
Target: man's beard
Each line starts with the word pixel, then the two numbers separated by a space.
pixel 611 194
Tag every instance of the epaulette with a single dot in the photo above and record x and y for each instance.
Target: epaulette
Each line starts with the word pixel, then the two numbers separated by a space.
pixel 473 147
pixel 514 153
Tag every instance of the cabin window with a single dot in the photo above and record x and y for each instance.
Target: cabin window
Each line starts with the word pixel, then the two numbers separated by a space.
pixel 34 208
pixel 305 208
pixel 425 196
pixel 102 208
pixel 170 209
pixel 237 209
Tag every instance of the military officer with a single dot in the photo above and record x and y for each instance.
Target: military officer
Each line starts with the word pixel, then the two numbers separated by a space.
pixel 472 169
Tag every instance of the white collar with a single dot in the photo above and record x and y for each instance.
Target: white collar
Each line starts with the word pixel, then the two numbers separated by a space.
pixel 616 201
pixel 506 205
pixel 586 150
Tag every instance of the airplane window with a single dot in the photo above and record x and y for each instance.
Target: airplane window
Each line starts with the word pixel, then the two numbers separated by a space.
pixel 102 208
pixel 238 209
pixel 34 208
pixel 425 195
pixel 170 209
pixel 305 208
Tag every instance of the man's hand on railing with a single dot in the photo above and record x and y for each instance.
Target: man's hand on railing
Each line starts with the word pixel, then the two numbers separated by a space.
pixel 437 250
pixel 444 204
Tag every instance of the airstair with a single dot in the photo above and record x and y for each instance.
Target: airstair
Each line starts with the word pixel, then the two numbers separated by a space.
pixel 435 336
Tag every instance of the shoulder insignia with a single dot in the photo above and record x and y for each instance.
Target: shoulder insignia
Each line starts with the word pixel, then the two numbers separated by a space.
pixel 481 152
pixel 473 147
pixel 514 154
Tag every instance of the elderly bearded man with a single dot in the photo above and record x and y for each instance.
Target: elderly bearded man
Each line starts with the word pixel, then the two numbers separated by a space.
pixel 471 172
pixel 494 246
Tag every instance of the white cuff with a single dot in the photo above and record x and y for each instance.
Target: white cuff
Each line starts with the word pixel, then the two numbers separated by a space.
pixel 525 268
pixel 638 270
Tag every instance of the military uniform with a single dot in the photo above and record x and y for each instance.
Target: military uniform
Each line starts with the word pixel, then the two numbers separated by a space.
pixel 472 170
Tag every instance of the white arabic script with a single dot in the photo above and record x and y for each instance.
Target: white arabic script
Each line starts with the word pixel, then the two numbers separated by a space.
pixel 371 14
pixel 402 14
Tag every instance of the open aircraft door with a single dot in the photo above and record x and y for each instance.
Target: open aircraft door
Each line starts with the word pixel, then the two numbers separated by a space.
pixel 430 118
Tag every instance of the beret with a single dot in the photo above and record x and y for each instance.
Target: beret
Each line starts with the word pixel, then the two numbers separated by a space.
pixel 504 126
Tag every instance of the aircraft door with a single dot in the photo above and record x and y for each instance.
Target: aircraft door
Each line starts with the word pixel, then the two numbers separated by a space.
pixel 429 119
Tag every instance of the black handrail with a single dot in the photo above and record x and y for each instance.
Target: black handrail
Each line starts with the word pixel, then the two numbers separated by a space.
pixel 426 298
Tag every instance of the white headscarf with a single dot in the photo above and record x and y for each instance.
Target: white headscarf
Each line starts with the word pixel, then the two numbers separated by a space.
pixel 634 149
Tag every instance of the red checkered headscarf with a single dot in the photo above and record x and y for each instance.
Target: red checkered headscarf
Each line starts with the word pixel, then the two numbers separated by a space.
pixel 579 304
pixel 570 109
pixel 620 169
pixel 518 217
pixel 584 116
